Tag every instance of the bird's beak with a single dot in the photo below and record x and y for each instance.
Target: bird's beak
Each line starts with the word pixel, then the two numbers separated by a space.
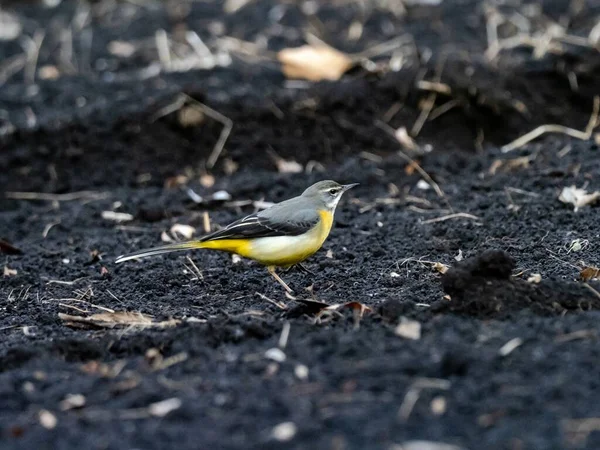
pixel 347 187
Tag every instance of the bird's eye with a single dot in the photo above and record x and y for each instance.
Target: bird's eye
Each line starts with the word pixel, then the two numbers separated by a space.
pixel 333 191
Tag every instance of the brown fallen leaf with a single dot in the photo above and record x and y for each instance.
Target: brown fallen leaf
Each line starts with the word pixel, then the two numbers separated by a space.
pixel 411 168
pixel 589 273
pixel 440 267
pixel 578 197
pixel 116 319
pixel 9 249
pixel 176 181
pixel 314 63
pixel 509 165
pixel 95 257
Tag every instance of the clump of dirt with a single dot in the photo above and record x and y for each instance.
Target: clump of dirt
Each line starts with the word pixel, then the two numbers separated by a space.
pixel 483 287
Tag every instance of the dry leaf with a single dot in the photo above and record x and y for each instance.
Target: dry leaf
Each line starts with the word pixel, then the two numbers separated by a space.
pixel 117 216
pixel 9 249
pixel 319 308
pixel 185 231
pixel 440 267
pixel 357 306
pixel 509 165
pixel 408 329
pixel 589 273
pixel 176 181
pixel 578 197
pixel 8 272
pixel 411 168
pixel 314 63
pixel 535 278
pixel 285 166
pixel 115 319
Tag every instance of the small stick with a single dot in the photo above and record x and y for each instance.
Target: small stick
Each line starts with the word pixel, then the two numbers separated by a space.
pixel 285 334
pixel 162 47
pixel 196 270
pixel 452 216
pixel 33 51
pixel 227 127
pixel 82 195
pixel 280 305
pixel 596 293
pixel 170 108
pixel 553 128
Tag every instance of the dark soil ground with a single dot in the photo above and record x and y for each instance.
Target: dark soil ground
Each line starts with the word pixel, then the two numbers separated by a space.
pixel 501 362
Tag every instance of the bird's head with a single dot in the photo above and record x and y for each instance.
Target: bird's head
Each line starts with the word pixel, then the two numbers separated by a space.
pixel 327 193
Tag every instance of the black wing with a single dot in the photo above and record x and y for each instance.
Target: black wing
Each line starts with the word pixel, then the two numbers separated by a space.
pixel 255 226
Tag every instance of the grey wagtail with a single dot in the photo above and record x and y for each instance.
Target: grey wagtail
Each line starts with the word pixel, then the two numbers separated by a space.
pixel 282 235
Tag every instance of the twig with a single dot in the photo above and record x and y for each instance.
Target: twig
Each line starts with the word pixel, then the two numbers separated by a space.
pixel 452 216
pixel 285 334
pixel 432 97
pixel 596 293
pixel 11 65
pixel 428 107
pixel 48 227
pixel 195 268
pixel 162 47
pixel 553 128
pixel 280 305
pixel 414 391
pixel 32 48
pixel 170 108
pixel 227 127
pixel 71 196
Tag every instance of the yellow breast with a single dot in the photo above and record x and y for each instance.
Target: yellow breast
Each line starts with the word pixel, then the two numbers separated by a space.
pixel 289 250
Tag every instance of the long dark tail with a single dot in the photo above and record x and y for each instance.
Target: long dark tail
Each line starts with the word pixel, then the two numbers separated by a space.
pixel 169 248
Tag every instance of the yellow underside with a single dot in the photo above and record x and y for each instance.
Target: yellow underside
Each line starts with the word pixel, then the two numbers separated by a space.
pixel 277 251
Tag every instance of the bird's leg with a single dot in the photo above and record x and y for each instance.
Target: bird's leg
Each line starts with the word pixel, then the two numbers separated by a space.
pixel 305 269
pixel 301 267
pixel 271 270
